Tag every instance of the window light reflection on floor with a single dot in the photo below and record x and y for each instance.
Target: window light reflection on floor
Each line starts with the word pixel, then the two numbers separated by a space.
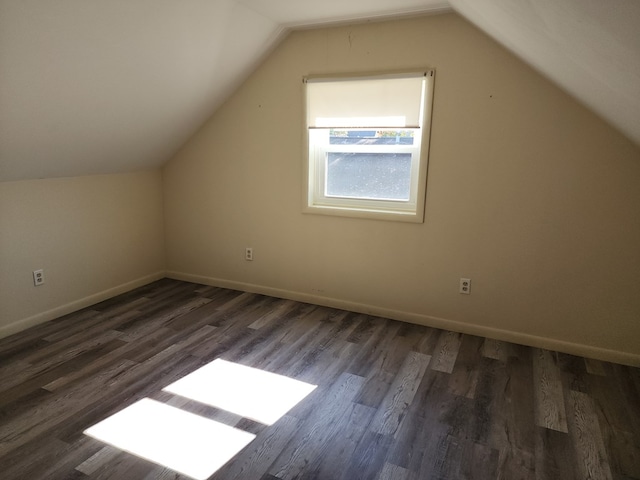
pixel 191 444
pixel 187 443
pixel 249 392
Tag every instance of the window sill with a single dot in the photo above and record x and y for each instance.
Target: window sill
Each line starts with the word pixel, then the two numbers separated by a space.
pixel 359 212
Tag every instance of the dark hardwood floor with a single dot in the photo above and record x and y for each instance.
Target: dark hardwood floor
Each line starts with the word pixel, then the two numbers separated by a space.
pixel 393 400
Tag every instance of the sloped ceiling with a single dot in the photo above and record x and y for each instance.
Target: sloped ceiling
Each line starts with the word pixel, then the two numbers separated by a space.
pixel 117 86
pixel 591 48
pixel 113 86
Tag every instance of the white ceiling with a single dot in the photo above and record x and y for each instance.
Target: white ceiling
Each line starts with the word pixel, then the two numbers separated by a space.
pixel 106 87
pixel 591 48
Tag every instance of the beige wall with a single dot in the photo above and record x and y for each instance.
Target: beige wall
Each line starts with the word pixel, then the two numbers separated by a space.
pixel 94 237
pixel 529 194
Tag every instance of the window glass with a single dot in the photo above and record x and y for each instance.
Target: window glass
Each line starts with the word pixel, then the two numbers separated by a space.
pixel 367 145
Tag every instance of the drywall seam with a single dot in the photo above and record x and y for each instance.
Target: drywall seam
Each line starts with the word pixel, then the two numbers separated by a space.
pixel 76 305
pixel 588 351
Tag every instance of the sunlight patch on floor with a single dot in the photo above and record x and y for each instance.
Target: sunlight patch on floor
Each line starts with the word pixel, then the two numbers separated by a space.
pixel 187 443
pixel 246 391
pixel 191 444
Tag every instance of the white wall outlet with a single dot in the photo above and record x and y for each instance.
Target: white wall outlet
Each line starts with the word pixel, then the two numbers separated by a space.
pixel 248 254
pixel 465 286
pixel 38 277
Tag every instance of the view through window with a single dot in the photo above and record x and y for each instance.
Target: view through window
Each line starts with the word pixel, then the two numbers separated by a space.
pixel 364 169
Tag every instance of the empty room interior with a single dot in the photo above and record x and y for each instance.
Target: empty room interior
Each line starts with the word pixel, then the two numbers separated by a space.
pixel 187 293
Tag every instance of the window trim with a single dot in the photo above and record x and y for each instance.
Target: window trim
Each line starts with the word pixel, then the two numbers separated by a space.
pixel 411 211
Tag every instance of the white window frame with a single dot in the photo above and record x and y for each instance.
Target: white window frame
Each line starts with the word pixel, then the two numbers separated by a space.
pixel 317 148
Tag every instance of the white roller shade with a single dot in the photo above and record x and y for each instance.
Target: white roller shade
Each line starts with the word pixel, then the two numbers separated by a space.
pixel 374 101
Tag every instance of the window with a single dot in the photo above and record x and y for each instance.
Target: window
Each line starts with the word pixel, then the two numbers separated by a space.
pixel 368 140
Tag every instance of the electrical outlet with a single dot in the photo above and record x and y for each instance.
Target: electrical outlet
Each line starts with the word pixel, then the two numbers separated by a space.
pixel 38 277
pixel 465 286
pixel 248 254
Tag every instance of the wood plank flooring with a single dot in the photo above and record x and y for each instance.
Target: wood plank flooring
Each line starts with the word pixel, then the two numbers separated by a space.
pixel 393 401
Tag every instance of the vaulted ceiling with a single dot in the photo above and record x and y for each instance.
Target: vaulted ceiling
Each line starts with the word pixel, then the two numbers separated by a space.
pixel 117 86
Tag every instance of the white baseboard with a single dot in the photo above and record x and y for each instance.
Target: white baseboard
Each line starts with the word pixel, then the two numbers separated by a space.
pixel 588 351
pixel 76 305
